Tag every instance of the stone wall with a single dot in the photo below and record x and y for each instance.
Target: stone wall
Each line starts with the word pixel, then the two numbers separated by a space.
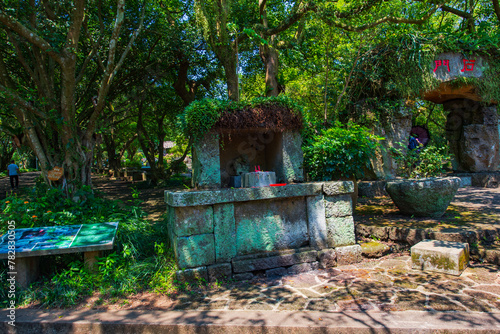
pixel 240 232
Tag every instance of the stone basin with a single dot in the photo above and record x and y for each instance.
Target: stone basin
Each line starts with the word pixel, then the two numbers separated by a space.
pixel 428 197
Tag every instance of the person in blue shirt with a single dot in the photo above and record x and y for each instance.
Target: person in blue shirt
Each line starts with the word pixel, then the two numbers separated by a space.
pixel 14 174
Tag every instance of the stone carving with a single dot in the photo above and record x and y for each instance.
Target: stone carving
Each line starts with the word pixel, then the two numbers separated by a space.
pixel 472 131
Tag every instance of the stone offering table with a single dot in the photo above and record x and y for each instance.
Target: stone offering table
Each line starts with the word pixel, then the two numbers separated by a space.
pixel 31 243
pixel 240 232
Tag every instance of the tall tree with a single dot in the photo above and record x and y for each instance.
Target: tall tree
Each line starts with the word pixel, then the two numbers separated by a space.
pixel 54 77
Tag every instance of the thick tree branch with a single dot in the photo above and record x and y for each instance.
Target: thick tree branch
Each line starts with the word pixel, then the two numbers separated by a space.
pixel 386 19
pixel 14 25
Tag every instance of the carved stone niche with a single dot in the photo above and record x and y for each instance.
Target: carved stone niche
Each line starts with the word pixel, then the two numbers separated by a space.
pixel 218 156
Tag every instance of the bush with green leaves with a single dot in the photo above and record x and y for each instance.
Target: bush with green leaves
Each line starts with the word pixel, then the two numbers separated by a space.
pixel 421 162
pixel 339 152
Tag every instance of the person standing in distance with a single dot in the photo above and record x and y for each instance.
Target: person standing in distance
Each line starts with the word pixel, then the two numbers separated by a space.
pixel 14 174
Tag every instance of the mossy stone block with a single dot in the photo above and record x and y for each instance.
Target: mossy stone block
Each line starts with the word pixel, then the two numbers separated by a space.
pixel 206 162
pixel 446 257
pixel 193 220
pixel 338 206
pixel 195 251
pixel 225 232
pixel 340 231
pixel 338 188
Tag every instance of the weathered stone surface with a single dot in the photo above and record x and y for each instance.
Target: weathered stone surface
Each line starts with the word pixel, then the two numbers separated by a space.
pixel 206 162
pixel 395 130
pixel 285 260
pixel 270 225
pixel 473 135
pixel 374 249
pixel 224 232
pixel 195 251
pixel 371 189
pixel 486 180
pixel 456 66
pixel 303 268
pixel 441 256
pixel 194 274
pixel 219 271
pixel 340 231
pixel 193 220
pixel 428 197
pixel 276 272
pixel 243 276
pixel 210 197
pixel 290 158
pixel 338 188
pixel 479 150
pixel 317 222
pixel 338 206
pixel 327 258
pixel 348 254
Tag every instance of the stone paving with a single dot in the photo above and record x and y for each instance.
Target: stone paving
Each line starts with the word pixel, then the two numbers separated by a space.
pixel 387 284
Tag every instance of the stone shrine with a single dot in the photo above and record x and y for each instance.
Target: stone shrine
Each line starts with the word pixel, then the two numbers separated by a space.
pixel 222 231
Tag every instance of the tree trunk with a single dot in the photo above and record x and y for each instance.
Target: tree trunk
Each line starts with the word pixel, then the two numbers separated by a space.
pixel 269 56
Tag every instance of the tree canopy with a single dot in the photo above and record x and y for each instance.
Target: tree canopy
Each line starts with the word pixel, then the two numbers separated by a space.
pixel 76 75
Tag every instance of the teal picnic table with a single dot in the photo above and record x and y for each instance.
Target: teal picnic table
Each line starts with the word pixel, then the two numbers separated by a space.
pixel 29 244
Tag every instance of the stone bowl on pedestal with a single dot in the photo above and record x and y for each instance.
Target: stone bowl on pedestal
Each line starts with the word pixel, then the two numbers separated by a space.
pixel 427 197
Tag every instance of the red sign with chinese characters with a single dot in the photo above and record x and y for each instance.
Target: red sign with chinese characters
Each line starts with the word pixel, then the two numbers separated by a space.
pixel 468 65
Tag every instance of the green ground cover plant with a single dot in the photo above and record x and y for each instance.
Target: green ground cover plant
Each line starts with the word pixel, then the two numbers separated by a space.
pixel 138 262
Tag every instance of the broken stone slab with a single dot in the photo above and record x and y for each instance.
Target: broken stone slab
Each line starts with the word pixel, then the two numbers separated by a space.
pixel 446 257
pixel 303 268
pixel 327 258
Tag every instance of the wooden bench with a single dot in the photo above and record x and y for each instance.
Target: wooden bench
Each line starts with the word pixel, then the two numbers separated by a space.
pixel 32 243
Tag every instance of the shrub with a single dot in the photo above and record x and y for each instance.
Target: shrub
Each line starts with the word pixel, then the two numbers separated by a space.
pixel 340 151
pixel 421 162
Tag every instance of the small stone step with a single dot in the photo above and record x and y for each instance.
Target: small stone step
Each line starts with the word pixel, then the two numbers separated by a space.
pixel 374 249
pixel 446 257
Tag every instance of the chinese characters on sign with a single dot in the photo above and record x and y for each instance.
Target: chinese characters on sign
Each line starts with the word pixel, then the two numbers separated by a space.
pixel 468 64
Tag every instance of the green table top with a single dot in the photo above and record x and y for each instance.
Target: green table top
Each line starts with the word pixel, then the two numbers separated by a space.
pixel 51 240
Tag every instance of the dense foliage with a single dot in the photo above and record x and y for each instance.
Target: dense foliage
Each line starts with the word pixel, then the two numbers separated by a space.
pixel 339 151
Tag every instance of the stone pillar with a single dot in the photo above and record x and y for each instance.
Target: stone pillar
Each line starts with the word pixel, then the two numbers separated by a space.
pixel 27 269
pixel 289 167
pixel 90 259
pixel 206 162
